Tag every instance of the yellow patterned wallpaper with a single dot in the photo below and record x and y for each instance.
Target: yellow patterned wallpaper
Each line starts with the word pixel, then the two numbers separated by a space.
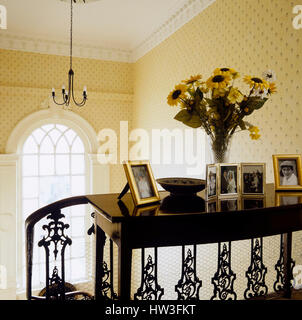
pixel 26 80
pixel 250 36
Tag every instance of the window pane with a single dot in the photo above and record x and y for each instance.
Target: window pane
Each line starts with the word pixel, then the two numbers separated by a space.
pixel 78 268
pixel 53 189
pixel 78 185
pixel 30 146
pixel 62 164
pixel 61 128
pixel 78 226
pixel 30 165
pixel 78 248
pixel 30 206
pixel 62 146
pixel 55 134
pixel 47 165
pixel 46 146
pixel 77 146
pixel 48 127
pixel 38 134
pixel 77 164
pixel 70 135
pixel 79 210
pixel 30 187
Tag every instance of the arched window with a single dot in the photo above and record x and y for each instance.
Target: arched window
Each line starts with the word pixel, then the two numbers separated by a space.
pixel 53 167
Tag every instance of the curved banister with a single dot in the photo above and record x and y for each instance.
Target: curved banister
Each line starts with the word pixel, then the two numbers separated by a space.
pixel 39 214
pixel 30 222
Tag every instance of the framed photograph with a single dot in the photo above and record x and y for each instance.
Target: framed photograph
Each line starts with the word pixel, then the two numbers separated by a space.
pixel 253 178
pixel 212 181
pixel 287 171
pixel 287 198
pixel 229 204
pixel 141 182
pixel 253 203
pixel 228 179
pixel 211 206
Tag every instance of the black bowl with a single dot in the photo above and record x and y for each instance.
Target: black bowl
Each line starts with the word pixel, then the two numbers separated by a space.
pixel 182 186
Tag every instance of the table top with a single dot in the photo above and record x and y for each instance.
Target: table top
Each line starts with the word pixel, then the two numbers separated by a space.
pixel 119 210
pixel 180 221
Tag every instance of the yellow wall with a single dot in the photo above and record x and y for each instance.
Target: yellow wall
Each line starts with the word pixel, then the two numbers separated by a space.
pixel 26 80
pixel 250 36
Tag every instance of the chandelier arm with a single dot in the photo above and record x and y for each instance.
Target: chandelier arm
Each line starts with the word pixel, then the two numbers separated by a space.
pixel 59 104
pixel 73 98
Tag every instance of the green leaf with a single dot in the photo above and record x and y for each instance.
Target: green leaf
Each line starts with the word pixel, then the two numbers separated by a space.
pixel 189 119
pixel 256 103
pixel 183 115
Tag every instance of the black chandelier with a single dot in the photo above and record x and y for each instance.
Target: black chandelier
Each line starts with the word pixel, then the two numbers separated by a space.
pixel 67 95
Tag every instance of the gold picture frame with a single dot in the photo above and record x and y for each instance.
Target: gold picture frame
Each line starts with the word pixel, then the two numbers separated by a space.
pixel 253 178
pixel 225 187
pixel 141 182
pixel 292 163
pixel 211 181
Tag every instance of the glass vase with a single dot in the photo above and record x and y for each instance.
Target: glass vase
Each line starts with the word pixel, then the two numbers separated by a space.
pixel 220 148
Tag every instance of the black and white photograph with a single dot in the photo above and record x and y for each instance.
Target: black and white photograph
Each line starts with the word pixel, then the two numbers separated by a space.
pixel 228 174
pixel 253 177
pixel 229 204
pixel 211 181
pixel 141 181
pixel 287 172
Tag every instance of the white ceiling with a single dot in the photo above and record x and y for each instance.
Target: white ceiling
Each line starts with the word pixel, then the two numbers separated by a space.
pixel 124 25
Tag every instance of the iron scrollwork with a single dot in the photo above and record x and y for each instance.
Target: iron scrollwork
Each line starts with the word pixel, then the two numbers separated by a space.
pixel 224 278
pixel 256 272
pixel 56 235
pixel 149 289
pixel 189 285
pixel 279 267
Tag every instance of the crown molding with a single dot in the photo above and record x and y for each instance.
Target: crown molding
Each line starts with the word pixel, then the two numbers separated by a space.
pixel 10 41
pixel 187 12
pixel 184 14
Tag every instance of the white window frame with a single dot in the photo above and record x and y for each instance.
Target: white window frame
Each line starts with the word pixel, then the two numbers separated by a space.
pixel 97 175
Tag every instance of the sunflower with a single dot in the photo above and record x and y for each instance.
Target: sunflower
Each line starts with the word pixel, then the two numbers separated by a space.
pixel 235 96
pixel 192 79
pixel 176 95
pixel 219 93
pixel 272 88
pixel 218 81
pixel 256 83
pixel 227 71
pixel 254 132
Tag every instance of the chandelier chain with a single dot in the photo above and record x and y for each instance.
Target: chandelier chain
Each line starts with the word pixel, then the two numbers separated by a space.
pixel 71 18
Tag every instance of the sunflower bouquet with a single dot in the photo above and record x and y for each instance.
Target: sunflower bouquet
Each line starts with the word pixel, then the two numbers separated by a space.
pixel 219 107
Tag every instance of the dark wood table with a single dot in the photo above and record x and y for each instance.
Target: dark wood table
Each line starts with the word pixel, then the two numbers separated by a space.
pixel 187 221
